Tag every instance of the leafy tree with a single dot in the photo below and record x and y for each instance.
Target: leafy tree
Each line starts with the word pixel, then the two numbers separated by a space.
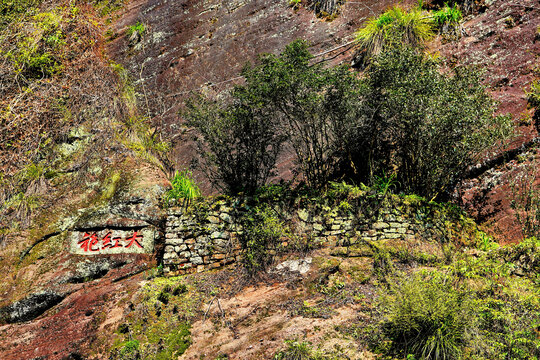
pixel 315 106
pixel 284 97
pixel 426 126
pixel 240 142
pixel 404 118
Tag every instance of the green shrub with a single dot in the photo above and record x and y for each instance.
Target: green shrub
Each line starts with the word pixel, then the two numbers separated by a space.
pixel 137 28
pixel 394 27
pixel 261 238
pixel 128 350
pixel 447 15
pixel 285 97
pixel 428 318
pixel 509 327
pixel 240 142
pixel 295 351
pixel 11 10
pixel 428 127
pixel 404 117
pixel 183 187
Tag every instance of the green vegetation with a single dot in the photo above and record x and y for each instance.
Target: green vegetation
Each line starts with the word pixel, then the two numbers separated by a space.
pixel 533 96
pixel 295 3
pixel 242 139
pixel 303 350
pixel 447 15
pixel 394 27
pixel 428 318
pixel 261 238
pixel 403 117
pixel 39 53
pixel 137 28
pixel 525 199
pixel 12 10
pixel 477 307
pixel 159 328
pixel 183 187
pixel 427 126
pixel 138 133
pixel 327 9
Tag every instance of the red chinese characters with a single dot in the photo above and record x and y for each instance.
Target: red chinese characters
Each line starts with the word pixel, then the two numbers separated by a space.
pixel 134 240
pixel 89 242
pixel 93 243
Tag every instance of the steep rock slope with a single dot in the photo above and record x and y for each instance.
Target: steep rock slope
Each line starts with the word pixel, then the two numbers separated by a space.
pixel 203 45
pixel 504 41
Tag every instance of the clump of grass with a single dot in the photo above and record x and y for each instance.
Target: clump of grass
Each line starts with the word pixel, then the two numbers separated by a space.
pixel 447 15
pixel 295 4
pixel 533 95
pixel 428 318
pixel 395 26
pixel 183 187
pixel 295 350
pixel 138 28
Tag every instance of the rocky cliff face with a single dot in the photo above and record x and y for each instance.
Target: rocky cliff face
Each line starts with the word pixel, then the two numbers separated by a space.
pixel 201 46
pixel 55 304
pixel 503 40
pixel 192 46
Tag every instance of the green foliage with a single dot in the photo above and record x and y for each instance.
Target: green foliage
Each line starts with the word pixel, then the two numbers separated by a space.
pixel 394 27
pixel 534 94
pixel 136 28
pixel 427 318
pixel 175 343
pixel 183 187
pixel 284 98
pixel 295 3
pixel 303 350
pixel 447 15
pixel 240 141
pixel 384 183
pixel 404 117
pixel 159 324
pixel 510 328
pixel 525 200
pixel 485 242
pixel 129 350
pixel 11 10
pixel 295 351
pixel 426 126
pixel 39 53
pixel 525 254
pixel 261 238
pixel 107 7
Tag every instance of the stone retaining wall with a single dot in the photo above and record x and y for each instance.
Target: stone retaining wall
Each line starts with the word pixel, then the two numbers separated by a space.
pixel 207 236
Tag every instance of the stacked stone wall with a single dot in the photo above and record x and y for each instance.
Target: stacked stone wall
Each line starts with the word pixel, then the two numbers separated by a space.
pixel 207 237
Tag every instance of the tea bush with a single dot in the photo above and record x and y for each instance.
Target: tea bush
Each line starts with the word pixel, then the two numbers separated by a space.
pixel 403 119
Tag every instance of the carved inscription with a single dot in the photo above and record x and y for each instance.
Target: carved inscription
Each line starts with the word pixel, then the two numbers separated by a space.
pixel 112 242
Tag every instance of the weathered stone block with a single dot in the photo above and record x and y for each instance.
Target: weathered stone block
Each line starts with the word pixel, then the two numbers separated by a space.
pixel 379 225
pixel 197 260
pixel 213 219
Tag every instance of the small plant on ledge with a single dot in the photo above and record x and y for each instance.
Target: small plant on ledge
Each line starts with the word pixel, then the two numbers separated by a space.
pixel 183 187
